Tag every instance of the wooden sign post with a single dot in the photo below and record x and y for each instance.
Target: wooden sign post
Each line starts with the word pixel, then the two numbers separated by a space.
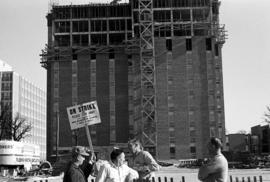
pixel 84 115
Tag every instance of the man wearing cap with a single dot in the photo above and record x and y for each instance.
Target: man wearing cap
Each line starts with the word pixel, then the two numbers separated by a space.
pixel 216 170
pixel 88 164
pixel 73 172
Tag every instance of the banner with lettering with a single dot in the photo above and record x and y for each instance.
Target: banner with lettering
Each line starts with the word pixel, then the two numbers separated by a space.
pixel 83 114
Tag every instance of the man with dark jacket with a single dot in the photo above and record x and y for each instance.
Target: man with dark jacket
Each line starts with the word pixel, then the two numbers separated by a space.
pixel 73 172
pixel 88 164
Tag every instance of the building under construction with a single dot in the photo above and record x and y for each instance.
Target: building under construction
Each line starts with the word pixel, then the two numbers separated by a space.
pixel 153 66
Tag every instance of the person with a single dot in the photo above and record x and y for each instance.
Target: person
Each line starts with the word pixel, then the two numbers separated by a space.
pixel 73 172
pixel 101 160
pixel 88 164
pixel 116 170
pixel 142 161
pixel 216 169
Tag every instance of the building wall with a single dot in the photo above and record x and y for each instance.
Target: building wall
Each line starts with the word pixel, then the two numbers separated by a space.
pixel 65 100
pixel 32 106
pixel 6 100
pixel 121 98
pixel 189 86
pixel 238 142
pixel 103 99
pixel 49 126
pixel 266 139
pixel 98 78
pixel 263 134
pixel 186 97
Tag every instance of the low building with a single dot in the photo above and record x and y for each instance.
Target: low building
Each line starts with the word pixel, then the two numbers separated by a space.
pixel 262 134
pixel 238 142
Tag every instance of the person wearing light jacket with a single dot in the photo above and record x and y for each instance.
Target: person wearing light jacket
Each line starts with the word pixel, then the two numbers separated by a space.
pixel 142 161
pixel 116 170
pixel 216 169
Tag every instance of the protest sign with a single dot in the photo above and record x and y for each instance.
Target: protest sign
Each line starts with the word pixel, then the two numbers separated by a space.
pixel 83 114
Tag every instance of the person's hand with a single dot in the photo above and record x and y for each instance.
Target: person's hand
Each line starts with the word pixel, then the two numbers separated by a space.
pixel 92 157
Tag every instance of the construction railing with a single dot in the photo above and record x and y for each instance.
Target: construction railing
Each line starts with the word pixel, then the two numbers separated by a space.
pixel 171 179
pixel 246 179
pixel 157 179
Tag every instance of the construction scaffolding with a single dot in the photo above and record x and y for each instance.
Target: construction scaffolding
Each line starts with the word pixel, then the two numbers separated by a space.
pixel 148 77
pixel 107 24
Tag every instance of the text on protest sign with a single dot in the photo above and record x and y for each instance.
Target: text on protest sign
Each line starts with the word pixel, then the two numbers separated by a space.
pixel 84 114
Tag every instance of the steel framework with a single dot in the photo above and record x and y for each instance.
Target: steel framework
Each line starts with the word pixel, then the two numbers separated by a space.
pixel 148 75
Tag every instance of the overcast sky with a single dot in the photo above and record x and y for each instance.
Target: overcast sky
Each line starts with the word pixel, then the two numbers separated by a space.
pixel 246 60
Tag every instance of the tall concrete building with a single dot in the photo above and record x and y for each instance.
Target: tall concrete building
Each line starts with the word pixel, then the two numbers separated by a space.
pixel 27 100
pixel 154 67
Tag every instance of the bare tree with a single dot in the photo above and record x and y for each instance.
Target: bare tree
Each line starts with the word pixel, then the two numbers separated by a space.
pixel 20 129
pixel 16 129
pixel 266 116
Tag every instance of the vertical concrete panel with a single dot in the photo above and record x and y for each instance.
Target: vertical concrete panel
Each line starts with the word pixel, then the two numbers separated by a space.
pixel 180 98
pixel 131 95
pixel 49 127
pixel 218 61
pixel 201 94
pixel 84 77
pixel 163 149
pixel 65 72
pixel 121 100
pixel 136 92
pixel 83 85
pixel 103 100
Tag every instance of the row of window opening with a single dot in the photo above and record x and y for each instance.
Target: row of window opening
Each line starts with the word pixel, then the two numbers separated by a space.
pixel 95 26
pixel 208 45
pixel 95 39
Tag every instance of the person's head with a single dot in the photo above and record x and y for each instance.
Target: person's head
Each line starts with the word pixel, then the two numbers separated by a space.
pixel 78 154
pixel 102 156
pixel 118 156
pixel 134 146
pixel 214 146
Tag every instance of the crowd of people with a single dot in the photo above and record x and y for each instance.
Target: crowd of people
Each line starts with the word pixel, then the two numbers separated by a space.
pixel 141 165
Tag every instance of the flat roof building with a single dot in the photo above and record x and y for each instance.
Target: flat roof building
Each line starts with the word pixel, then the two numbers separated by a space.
pixel 26 99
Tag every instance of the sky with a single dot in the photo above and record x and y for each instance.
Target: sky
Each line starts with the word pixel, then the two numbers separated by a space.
pixel 246 60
